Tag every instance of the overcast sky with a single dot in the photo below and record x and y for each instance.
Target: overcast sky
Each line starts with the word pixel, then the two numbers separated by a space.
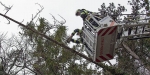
pixel 23 10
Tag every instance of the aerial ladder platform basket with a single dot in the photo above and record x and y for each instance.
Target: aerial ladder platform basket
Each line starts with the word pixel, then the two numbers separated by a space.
pixel 100 40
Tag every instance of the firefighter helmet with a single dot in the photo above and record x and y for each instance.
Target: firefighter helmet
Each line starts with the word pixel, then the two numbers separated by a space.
pixel 77 12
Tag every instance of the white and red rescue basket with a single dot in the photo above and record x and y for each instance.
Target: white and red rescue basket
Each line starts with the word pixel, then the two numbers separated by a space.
pixel 106 39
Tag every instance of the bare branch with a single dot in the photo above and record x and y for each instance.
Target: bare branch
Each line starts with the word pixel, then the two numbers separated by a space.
pixel 7 9
pixel 14 61
pixel 63 22
pixel 31 70
pixel 109 63
pixel 39 11
pixel 8 21
pixel 56 21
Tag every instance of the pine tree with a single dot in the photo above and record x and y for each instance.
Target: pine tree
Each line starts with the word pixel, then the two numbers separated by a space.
pixel 52 58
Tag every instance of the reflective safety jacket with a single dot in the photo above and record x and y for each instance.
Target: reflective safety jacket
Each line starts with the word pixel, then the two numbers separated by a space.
pixel 79 32
pixel 84 13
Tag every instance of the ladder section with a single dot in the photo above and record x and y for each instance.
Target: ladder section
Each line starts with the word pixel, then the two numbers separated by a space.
pixel 135 31
pixel 89 38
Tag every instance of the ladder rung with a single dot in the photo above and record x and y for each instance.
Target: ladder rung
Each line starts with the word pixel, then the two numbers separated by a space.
pixel 136 25
pixel 139 37
pixel 135 35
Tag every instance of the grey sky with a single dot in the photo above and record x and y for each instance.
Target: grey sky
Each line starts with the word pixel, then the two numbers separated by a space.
pixel 23 10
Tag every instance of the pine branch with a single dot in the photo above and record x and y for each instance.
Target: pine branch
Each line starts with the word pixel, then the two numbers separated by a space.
pixel 113 70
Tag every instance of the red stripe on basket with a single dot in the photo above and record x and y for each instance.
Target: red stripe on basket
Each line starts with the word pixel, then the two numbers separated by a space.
pixel 97 60
pixel 110 56
pixel 106 31
pixel 103 57
pixel 113 30
pixel 100 31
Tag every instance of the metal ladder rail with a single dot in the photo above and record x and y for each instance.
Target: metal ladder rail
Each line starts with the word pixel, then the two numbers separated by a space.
pixel 135 26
